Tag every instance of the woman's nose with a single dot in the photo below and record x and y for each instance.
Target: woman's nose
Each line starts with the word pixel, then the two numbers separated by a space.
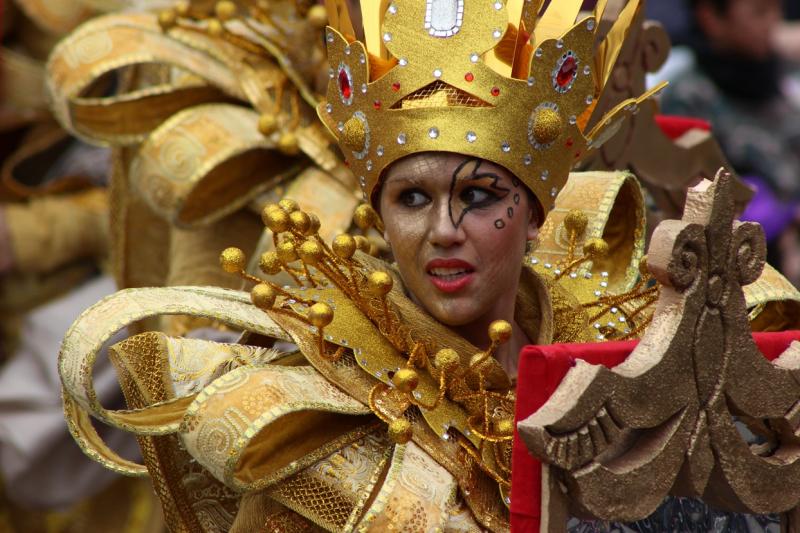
pixel 443 231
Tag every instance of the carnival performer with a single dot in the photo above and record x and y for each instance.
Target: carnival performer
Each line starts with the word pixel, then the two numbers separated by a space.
pixel 368 395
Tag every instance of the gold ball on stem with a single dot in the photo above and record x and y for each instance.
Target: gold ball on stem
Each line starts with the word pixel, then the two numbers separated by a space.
pixel 310 252
pixel 320 315
pixel 270 264
pixel 301 222
pixel 576 221
pixel 183 8
pixel 405 379
pixel 287 252
pixel 288 143
pixel 225 10
pixel 596 248
pixel 400 430
pixel 276 220
pixel 315 224
pixel 380 283
pixel 446 359
pixel 500 331
pixel 344 246
pixel 267 124
pixel 263 296
pixel 317 16
pixel 289 205
pixel 167 19
pixel 215 28
pixel 365 216
pixel 232 260
pixel 362 243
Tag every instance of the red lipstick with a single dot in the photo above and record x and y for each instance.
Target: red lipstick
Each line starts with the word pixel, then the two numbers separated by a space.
pixel 450 275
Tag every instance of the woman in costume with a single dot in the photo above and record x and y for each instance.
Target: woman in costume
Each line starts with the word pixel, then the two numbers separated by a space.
pixel 396 407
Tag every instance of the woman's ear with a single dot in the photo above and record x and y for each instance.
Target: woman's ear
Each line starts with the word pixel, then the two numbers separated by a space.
pixel 533 221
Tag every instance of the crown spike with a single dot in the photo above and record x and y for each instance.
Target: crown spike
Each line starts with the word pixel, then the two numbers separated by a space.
pixel 339 17
pixel 610 48
pixel 557 19
pixel 372 13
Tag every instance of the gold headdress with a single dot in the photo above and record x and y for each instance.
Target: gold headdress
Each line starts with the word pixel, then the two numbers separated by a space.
pixel 489 79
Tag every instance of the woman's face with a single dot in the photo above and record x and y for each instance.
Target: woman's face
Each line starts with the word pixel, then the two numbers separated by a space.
pixel 458 228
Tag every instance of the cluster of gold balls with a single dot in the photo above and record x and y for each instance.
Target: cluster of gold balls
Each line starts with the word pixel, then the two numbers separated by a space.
pixel 225 11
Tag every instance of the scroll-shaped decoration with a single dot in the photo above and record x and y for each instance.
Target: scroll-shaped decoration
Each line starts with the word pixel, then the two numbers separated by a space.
pixel 663 421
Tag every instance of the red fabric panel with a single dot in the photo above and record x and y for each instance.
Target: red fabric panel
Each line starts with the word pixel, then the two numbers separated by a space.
pixel 675 126
pixel 541 369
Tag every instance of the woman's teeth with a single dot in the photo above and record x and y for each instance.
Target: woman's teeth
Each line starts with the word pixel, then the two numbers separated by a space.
pixel 447 272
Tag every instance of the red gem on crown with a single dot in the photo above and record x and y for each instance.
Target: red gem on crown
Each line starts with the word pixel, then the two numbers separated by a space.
pixel 344 84
pixel 567 72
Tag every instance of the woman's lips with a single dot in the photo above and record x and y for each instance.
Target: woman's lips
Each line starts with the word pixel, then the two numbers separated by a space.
pixel 450 275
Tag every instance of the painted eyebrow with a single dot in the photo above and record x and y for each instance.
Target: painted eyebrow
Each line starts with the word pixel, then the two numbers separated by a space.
pixel 401 179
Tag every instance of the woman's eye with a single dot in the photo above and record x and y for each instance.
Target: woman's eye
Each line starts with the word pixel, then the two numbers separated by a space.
pixel 413 198
pixel 476 196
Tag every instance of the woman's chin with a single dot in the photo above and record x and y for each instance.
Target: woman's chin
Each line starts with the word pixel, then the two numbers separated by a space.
pixel 452 312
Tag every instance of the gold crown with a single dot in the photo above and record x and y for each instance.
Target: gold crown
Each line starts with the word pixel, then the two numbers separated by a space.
pixel 476 77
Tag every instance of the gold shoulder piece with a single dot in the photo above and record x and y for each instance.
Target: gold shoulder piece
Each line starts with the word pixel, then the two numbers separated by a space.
pixel 614 207
pixel 773 301
pixel 85 339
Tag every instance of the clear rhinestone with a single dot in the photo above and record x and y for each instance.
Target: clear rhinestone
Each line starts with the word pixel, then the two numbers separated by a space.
pixel 505 147
pixel 622 319
pixel 378 374
pixel 345 343
pixel 545 175
pixel 597 325
pixel 437 73
pixel 560 43
pixel 527 160
pixel 340 126
pixel 588 275
pixel 417 395
pixel 539 52
pixel 329 338
pixel 611 325
pixel 587 70
pixel 604 284
pixel 590 24
pixel 601 337
pixel 329 38
pixel 604 274
pixel 362 59
pixel 387 37
pixel 347 50
pixel 531 81
pixel 557 272
pixel 433 133
pixel 446 436
pixel 553 192
pixel 369 165
pixel 548 266
pixel 401 139
pixel 364 88
pixel 614 310
pixel 498 5
pixel 392 9
pixel 573 275
pixel 534 261
pixel 474 57
pixel 362 181
pixel 330 73
pixel 573 120
pixel 589 99
pixel 598 293
pixel 363 362
pixel 497 34
pixel 471 137
pixel 508 500
pixel 313 330
pixel 329 108
pixel 379 151
pixel 402 61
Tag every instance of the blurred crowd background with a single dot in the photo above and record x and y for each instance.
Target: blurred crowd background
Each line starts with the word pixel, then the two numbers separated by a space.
pixel 735 65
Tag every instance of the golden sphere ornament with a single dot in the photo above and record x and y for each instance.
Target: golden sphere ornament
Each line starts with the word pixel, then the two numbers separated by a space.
pixel 576 221
pixel 289 205
pixel 267 124
pixel 270 264
pixel 287 252
pixel 232 260
pixel 225 10
pixel 504 426
pixel 320 315
pixel 276 220
pixel 183 8
pixel 362 243
pixel 167 19
pixel 365 217
pixel 400 430
pixel 215 28
pixel 354 135
pixel 310 252
pixel 500 331
pixel 344 246
pixel 546 125
pixel 263 296
pixel 446 359
pixel 288 143
pixel 405 379
pixel 301 222
pixel 596 248
pixel 315 224
pixel 317 16
pixel 380 283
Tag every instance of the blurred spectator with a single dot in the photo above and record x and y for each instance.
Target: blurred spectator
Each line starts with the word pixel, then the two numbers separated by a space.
pixel 737 83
